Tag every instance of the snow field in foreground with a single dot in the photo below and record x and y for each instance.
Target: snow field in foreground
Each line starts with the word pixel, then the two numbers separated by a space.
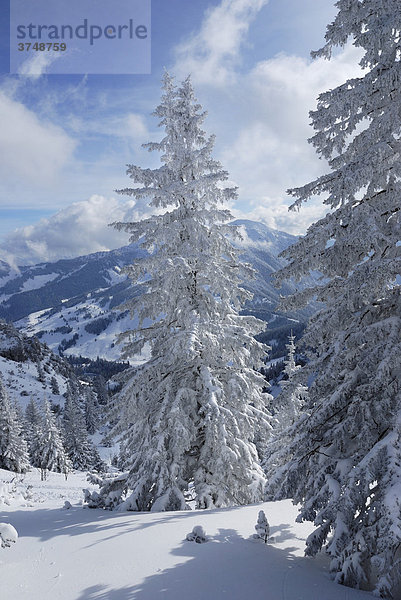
pixel 84 554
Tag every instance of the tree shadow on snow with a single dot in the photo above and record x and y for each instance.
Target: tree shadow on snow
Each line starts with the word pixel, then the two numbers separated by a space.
pixel 282 532
pixel 45 523
pixel 231 567
pixel 227 566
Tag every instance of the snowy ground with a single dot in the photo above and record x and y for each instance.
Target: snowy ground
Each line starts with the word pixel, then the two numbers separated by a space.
pixel 84 554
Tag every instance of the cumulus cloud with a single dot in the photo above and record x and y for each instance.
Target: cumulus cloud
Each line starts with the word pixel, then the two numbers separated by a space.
pixel 261 114
pixel 32 151
pixel 270 152
pixel 62 147
pixel 211 54
pixel 81 228
pixel 260 117
pixel 277 216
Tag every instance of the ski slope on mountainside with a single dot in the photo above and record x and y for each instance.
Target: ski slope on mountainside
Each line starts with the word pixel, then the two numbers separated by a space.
pixel 85 554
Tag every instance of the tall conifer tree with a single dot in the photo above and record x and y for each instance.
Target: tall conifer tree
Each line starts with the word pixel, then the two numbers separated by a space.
pixel 346 470
pixel 189 413
pixel 51 454
pixel 33 426
pixel 13 447
pixel 79 448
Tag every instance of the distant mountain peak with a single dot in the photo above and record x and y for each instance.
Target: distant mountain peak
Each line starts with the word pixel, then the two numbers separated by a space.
pixel 258 234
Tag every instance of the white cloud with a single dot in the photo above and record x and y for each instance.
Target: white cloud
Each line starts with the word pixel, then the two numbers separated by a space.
pixel 37 64
pixel 212 54
pixel 270 152
pixel 131 126
pixel 261 116
pixel 33 152
pixel 81 228
pixel 136 127
pixel 52 155
pixel 277 216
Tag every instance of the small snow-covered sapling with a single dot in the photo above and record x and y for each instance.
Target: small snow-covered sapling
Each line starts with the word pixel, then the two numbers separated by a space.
pixel 197 535
pixel 262 527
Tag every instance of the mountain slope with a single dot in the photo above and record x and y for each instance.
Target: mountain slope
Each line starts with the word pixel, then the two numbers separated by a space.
pixel 47 284
pixel 30 370
pixel 70 304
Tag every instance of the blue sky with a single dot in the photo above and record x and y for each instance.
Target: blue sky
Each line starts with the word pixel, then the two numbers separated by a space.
pixel 66 139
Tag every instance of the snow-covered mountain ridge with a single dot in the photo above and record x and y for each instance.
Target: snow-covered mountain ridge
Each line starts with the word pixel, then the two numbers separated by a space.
pixel 70 304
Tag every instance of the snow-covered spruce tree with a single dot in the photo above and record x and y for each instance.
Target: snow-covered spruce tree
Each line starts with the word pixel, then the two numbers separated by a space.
pixel 13 447
pixel 79 448
pixel 293 392
pixel 51 455
pixel 262 527
pixel 33 424
pixel 54 386
pixel 101 390
pixel 32 416
pixel 346 470
pixel 92 417
pixel 41 374
pixel 287 410
pixel 190 412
